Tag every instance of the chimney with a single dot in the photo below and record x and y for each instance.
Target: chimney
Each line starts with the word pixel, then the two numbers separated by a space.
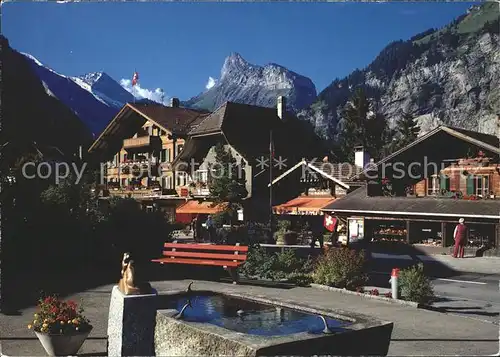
pixel 281 107
pixel 361 157
pixel 174 102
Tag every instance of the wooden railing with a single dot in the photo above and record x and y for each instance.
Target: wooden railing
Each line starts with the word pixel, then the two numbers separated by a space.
pixel 141 141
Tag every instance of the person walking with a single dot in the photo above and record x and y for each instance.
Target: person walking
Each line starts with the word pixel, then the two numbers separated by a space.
pixel 209 224
pixel 460 235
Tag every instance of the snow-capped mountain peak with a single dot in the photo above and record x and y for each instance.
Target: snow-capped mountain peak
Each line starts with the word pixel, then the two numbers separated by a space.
pixel 95 98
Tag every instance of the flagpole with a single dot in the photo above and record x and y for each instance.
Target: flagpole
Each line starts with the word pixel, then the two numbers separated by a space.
pixel 271 183
pixel 134 83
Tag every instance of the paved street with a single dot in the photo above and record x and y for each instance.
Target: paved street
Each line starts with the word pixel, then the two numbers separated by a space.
pixel 473 294
pixel 416 331
pixel 471 300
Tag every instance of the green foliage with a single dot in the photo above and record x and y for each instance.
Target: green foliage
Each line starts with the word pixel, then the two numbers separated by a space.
pixel 284 225
pixel 258 263
pixel 414 285
pixel 300 279
pixel 283 265
pixel 406 132
pixel 341 268
pixel 362 125
pixel 227 182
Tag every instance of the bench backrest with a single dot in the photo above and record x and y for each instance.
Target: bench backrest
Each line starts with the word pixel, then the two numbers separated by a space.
pixel 235 253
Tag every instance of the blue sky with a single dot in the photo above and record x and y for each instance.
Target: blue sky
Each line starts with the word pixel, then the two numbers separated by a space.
pixel 177 46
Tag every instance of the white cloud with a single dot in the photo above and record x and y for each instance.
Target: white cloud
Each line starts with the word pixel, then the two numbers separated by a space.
pixel 211 82
pixel 156 95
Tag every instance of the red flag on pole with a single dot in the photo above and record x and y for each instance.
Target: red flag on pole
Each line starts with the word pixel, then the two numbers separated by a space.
pixel 329 222
pixel 135 78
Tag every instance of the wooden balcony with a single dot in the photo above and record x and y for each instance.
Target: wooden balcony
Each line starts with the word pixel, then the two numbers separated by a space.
pixel 144 141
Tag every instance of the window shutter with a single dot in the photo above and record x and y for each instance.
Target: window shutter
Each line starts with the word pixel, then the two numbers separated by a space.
pixel 442 183
pixel 470 185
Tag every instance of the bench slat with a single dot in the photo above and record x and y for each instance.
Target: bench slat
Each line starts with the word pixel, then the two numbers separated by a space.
pixel 234 248
pixel 205 255
pixel 197 262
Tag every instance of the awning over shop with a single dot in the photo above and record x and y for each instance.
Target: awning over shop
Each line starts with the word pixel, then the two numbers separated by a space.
pixel 300 205
pixel 195 207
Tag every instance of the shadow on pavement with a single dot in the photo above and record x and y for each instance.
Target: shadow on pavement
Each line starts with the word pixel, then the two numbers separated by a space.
pixel 23 288
pixel 385 257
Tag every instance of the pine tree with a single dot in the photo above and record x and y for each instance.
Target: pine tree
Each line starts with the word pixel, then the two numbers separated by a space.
pixel 227 180
pixel 406 131
pixel 362 125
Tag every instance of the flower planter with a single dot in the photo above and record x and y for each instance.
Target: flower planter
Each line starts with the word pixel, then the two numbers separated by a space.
pixel 62 344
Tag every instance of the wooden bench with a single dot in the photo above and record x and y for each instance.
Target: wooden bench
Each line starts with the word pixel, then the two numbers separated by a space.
pixel 230 257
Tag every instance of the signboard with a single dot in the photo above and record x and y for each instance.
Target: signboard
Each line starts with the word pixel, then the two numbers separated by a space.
pixel 355 229
pixel 240 215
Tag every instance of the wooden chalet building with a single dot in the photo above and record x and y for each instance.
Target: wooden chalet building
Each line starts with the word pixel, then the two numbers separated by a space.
pixel 455 174
pixel 246 131
pixel 138 147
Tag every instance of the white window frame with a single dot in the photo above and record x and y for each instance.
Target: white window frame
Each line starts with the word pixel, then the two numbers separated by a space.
pixel 485 185
pixel 434 188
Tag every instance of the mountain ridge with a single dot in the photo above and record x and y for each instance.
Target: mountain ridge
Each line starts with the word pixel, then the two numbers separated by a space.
pixel 448 76
pixel 243 82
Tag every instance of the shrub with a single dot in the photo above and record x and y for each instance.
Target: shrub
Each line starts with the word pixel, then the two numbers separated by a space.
pixel 341 268
pixel 374 292
pixel 258 263
pixel 300 279
pixel 283 265
pixel 415 286
pixel 284 225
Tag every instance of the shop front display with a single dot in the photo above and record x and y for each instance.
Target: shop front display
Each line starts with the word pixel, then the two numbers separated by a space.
pixel 390 231
pixel 426 234
pixel 480 236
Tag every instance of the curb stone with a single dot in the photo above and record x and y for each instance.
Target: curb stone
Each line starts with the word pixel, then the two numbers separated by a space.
pixel 381 298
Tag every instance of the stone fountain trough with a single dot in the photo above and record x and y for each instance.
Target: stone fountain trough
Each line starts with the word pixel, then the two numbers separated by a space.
pixel 221 324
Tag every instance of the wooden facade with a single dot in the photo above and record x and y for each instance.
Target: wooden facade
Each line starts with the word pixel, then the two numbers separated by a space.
pixel 455 174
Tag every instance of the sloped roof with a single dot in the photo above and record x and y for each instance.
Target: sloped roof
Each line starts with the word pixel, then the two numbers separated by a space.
pixel 211 123
pixel 133 115
pixel 332 171
pixel 174 119
pixel 247 128
pixel 358 202
pixel 487 142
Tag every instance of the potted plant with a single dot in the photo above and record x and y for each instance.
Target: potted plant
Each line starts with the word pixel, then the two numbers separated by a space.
pixel 60 326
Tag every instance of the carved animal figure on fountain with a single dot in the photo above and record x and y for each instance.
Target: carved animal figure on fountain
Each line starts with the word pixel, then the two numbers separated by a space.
pixel 129 284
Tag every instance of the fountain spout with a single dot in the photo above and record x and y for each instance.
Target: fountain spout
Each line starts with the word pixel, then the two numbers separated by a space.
pixel 326 329
pixel 188 290
pixel 180 315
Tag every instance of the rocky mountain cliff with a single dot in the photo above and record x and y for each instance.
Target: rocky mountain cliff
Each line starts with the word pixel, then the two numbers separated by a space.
pixel 246 83
pixel 449 75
